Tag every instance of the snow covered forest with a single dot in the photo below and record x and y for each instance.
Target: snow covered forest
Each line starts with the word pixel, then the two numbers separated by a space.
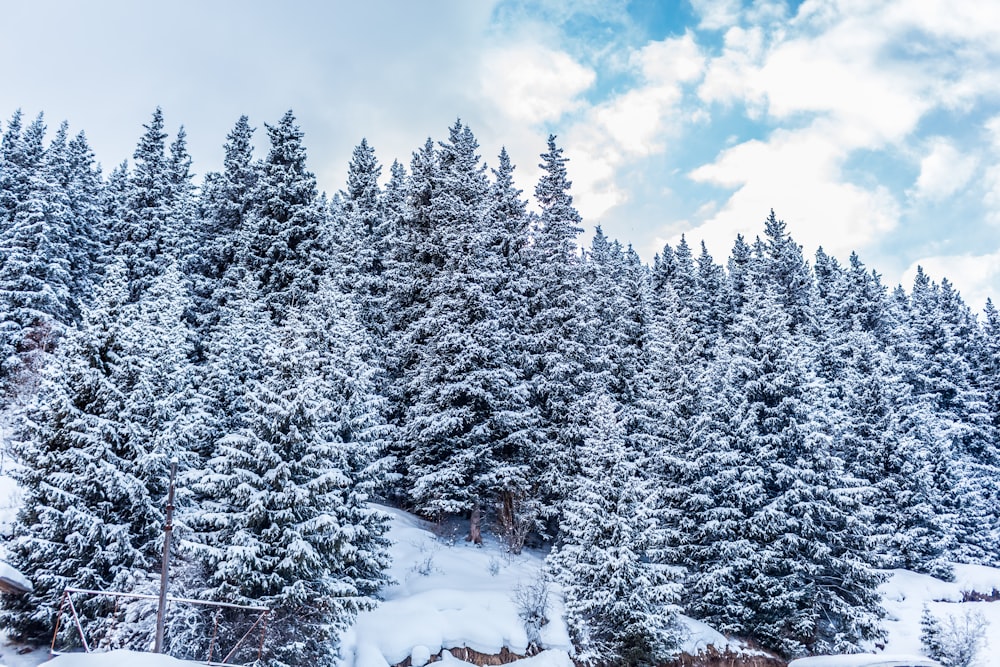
pixel 751 441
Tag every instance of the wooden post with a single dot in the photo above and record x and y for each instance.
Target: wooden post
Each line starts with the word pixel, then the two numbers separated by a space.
pixel 168 527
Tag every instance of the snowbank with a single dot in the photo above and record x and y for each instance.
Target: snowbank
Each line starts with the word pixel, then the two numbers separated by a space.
pixel 449 594
pixel 865 660
pixel 13 578
pixel 905 594
pixel 10 494
pixel 119 659
pixel 699 636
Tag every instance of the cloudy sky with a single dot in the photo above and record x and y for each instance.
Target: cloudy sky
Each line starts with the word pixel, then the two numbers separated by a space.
pixel 867 126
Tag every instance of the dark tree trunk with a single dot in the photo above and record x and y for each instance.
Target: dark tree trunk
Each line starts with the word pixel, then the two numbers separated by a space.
pixel 475 531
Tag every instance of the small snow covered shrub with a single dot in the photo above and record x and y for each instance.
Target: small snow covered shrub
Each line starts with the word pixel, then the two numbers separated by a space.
pixel 954 642
pixel 425 567
pixel 532 601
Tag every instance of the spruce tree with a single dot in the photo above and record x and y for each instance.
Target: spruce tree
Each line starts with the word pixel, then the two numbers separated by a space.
pixel 36 281
pixel 776 549
pixel 143 234
pixel 286 246
pixel 285 521
pixel 556 350
pixel 620 601
pixel 86 517
pixel 468 412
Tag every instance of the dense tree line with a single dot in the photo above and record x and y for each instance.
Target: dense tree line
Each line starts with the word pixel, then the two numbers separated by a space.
pixel 752 443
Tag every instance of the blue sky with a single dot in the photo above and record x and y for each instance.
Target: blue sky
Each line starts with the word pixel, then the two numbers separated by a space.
pixel 867 126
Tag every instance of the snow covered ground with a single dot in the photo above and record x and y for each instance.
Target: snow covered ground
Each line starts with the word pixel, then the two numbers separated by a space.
pixel 906 593
pixel 449 594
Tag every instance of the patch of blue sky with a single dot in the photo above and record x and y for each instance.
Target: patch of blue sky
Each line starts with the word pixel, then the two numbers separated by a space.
pixel 662 202
pixel 728 126
pixel 893 168
pixel 964 125
pixel 661 19
pixel 943 228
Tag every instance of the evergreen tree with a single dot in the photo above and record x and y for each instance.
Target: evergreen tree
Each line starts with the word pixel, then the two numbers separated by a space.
pixel 507 247
pixel 778 539
pixel 227 199
pixel 226 203
pixel 143 234
pixel 468 405
pixel 740 272
pixel 286 244
pixel 936 350
pixel 87 514
pixel 363 234
pixel 557 353
pixel 620 601
pixel 22 152
pixel 786 269
pixel 76 173
pixel 713 307
pixel 188 237
pixel 35 272
pixel 286 523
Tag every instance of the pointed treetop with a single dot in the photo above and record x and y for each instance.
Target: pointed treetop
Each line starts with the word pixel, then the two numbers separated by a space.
pixel 554 184
pixel 287 149
pixel 33 141
pixel 362 176
pixel 921 282
pixel 560 221
pixel 239 146
pixel 153 143
pixel 774 229
pixel 180 159
pixel 12 136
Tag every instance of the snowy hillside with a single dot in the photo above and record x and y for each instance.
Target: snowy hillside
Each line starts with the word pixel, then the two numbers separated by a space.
pixel 449 594
pixel 906 593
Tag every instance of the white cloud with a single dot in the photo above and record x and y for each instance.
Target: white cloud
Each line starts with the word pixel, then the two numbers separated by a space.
pixel 533 84
pixel 993 132
pixel 943 171
pixel 859 76
pixel 991 174
pixel 717 14
pixel 975 276
pixel 798 174
pixel 634 124
pixel 730 76
pixel 977 22
pixel 991 183
pixel 670 61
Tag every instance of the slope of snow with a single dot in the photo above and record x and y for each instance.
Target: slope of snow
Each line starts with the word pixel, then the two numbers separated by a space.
pixel 905 594
pixel 448 594
pixel 865 660
pixel 451 594
pixel 698 636
pixel 118 659
pixel 10 495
